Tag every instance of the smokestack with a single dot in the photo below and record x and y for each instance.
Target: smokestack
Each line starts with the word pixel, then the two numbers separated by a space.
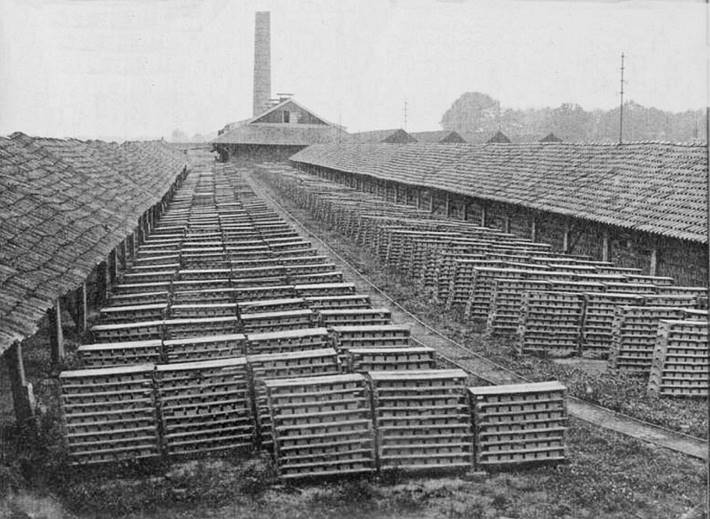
pixel 262 61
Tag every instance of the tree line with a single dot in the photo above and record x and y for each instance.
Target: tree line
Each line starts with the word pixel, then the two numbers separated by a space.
pixel 476 116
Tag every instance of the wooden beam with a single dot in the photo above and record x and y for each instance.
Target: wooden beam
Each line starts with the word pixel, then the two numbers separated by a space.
pixel 484 215
pixel 56 335
pixel 82 308
pixel 123 253
pixel 419 198
pixel 533 228
pixel 606 245
pixel 653 267
pixel 22 398
pixel 102 287
pixel 565 237
pixel 506 223
pixel 113 266
pixel 431 201
pixel 447 208
pixel 464 216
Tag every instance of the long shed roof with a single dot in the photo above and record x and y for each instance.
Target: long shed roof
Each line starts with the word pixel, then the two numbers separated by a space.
pixel 64 205
pixel 652 187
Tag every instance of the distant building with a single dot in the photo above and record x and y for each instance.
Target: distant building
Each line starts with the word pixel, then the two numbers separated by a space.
pixel 277 133
pixel 499 138
pixel 550 137
pixel 438 137
pixel 394 136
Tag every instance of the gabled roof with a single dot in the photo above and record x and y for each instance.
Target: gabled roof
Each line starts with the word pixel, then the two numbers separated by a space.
pixel 652 187
pixel 438 136
pixel 64 205
pixel 500 138
pixel 550 137
pixel 393 136
pixel 280 105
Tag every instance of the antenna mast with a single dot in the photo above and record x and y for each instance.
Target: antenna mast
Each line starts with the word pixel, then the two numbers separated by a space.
pixel 621 102
pixel 405 114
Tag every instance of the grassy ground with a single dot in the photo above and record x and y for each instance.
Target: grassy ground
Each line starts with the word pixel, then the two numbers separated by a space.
pixel 613 390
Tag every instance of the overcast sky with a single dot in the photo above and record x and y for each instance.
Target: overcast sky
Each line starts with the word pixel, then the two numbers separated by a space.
pixel 141 68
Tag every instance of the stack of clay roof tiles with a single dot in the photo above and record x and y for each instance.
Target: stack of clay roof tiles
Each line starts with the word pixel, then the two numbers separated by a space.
pixel 651 187
pixel 64 205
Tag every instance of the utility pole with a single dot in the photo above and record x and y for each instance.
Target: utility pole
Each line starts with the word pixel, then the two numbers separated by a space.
pixel 405 115
pixel 621 102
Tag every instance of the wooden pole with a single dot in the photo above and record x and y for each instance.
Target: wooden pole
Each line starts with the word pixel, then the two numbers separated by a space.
pixel 464 216
pixel 653 267
pixel 484 215
pixel 82 310
pixel 606 249
pixel 533 228
pixel 506 223
pixel 113 266
pixel 101 285
pixel 56 335
pixel 447 207
pixel 565 238
pixel 22 399
pixel 419 198
pixel 123 254
pixel 431 201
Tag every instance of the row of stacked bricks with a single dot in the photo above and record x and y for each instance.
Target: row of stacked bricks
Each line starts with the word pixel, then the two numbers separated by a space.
pixel 553 304
pixel 422 419
pixel 201 302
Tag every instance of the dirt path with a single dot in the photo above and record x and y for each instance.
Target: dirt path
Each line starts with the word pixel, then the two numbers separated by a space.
pixel 479 365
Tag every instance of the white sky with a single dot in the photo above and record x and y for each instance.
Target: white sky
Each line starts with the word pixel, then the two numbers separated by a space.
pixel 141 68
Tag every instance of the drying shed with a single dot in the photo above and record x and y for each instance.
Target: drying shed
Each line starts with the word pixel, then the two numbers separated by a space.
pixel 638 204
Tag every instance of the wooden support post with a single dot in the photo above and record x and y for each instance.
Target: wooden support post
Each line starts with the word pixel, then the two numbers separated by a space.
pixel 533 228
pixel 82 308
pixel 465 215
pixel 396 193
pixel 653 267
pixel 22 398
pixel 447 208
pixel 123 254
pixel 132 245
pixel 431 201
pixel 506 223
pixel 484 215
pixel 419 198
pixel 113 266
pixel 565 238
pixel 606 245
pixel 56 335
pixel 101 285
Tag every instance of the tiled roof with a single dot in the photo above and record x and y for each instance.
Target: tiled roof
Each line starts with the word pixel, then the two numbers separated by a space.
pixel 393 136
pixel 64 205
pixel 281 134
pixel 652 187
pixel 438 136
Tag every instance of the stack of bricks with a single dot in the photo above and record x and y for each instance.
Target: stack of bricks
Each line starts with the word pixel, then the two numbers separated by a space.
pixel 680 359
pixel 109 414
pixel 422 419
pixel 204 406
pixel 519 423
pixel 322 426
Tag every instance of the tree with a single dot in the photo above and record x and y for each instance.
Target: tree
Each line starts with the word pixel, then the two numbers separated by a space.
pixel 472 112
pixel 570 122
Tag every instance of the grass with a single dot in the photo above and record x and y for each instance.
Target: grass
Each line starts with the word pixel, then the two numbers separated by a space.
pixel 616 391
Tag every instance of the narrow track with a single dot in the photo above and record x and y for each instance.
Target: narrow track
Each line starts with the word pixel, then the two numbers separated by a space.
pixel 480 366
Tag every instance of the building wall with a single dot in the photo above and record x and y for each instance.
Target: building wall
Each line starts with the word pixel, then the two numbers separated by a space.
pixel 276 116
pixel 256 152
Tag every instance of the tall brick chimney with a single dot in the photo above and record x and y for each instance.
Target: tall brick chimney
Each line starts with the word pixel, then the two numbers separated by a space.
pixel 262 61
